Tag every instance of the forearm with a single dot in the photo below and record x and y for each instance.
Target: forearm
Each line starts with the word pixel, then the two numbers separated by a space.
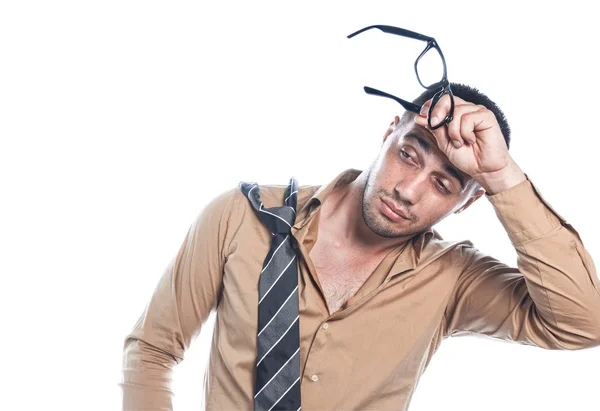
pixel 559 272
pixel 146 377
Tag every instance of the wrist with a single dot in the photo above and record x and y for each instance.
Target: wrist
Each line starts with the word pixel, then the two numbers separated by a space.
pixel 501 180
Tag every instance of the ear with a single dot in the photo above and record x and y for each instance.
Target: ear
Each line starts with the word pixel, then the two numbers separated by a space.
pixel 391 128
pixel 471 200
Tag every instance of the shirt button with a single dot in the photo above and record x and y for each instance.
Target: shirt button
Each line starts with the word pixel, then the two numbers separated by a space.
pixel 314 377
pixel 325 325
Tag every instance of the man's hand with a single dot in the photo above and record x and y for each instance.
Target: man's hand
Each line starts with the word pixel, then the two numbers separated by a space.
pixel 474 143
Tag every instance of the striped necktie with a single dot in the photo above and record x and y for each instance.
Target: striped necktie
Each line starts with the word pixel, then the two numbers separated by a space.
pixel 277 384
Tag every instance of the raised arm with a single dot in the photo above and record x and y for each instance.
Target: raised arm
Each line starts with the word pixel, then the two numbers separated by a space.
pixel 552 298
pixel 184 297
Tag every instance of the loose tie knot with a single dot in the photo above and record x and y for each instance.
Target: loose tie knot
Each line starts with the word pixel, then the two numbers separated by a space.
pixel 278 219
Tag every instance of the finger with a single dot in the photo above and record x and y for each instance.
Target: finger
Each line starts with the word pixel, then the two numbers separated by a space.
pixel 425 108
pixel 421 120
pixel 459 101
pixel 466 127
pixel 476 121
pixel 441 109
pixel 454 127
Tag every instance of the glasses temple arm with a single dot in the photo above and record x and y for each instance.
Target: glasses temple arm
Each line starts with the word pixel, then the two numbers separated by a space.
pixel 415 108
pixel 394 30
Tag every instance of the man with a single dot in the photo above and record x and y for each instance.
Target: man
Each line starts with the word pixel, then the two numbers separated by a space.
pixel 378 288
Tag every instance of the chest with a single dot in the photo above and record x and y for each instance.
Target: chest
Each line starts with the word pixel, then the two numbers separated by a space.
pixel 340 274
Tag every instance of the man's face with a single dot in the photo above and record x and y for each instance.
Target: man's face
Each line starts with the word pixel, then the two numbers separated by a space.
pixel 413 175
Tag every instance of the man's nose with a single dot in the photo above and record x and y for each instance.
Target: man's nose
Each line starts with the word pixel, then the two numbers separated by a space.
pixel 411 188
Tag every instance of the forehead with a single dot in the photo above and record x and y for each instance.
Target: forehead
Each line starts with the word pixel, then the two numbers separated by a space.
pixel 420 135
pixel 423 138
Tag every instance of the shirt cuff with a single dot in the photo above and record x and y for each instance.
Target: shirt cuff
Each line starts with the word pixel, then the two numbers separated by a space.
pixel 524 213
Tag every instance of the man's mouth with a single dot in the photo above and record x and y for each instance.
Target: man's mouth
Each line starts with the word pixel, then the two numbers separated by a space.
pixel 392 211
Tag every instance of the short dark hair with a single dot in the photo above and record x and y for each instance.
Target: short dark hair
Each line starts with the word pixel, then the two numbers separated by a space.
pixel 472 95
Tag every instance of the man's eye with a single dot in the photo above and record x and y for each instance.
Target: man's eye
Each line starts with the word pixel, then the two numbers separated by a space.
pixel 402 152
pixel 443 187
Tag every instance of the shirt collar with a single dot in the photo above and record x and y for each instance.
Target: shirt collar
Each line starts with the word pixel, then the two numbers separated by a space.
pixel 324 190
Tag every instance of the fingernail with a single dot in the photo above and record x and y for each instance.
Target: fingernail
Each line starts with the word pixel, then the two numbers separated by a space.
pixel 457 144
pixel 423 110
pixel 434 121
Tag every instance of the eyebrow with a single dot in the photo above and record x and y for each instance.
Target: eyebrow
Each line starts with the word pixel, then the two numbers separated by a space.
pixel 427 149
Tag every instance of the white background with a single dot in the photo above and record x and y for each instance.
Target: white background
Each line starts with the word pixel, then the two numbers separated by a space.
pixel 120 120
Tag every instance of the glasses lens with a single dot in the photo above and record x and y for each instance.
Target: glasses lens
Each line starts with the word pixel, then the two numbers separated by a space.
pixel 430 68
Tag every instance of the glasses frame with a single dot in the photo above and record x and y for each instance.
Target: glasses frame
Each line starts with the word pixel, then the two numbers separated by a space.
pixel 443 84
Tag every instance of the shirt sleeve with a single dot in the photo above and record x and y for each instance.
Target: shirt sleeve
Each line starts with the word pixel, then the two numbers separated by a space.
pixel 551 299
pixel 184 297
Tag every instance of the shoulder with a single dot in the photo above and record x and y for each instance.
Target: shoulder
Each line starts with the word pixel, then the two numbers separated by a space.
pixel 457 253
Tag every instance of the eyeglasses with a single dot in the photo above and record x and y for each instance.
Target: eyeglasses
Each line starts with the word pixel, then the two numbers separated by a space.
pixel 421 70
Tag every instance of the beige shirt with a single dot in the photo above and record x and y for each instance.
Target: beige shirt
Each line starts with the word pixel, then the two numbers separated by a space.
pixel 370 353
